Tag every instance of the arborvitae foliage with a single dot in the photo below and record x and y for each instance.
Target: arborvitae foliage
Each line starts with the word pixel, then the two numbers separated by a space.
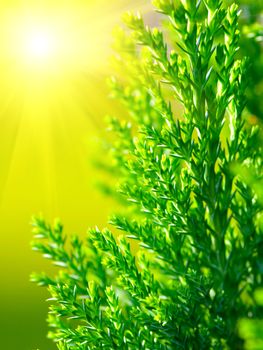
pixel 197 221
pixel 251 46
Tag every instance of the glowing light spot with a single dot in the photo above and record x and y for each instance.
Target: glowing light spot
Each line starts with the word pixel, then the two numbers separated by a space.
pixel 39 45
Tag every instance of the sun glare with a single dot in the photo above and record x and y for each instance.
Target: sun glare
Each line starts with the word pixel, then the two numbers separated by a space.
pixel 57 40
pixel 48 43
pixel 39 45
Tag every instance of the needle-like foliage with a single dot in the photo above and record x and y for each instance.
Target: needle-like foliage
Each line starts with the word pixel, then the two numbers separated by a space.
pixel 197 219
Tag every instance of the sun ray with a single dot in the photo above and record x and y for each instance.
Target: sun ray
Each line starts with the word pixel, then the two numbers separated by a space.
pixel 53 63
pixel 45 46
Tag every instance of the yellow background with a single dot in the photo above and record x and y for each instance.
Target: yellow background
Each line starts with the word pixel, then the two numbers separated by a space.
pixel 50 111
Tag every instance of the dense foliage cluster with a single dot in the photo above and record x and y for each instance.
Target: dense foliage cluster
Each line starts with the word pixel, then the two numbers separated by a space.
pixel 251 45
pixel 198 221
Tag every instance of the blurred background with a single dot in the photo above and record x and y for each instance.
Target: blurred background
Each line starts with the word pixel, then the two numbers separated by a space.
pixel 54 60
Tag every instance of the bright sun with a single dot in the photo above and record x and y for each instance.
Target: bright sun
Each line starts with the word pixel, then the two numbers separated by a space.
pixel 48 38
pixel 52 41
pixel 39 45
